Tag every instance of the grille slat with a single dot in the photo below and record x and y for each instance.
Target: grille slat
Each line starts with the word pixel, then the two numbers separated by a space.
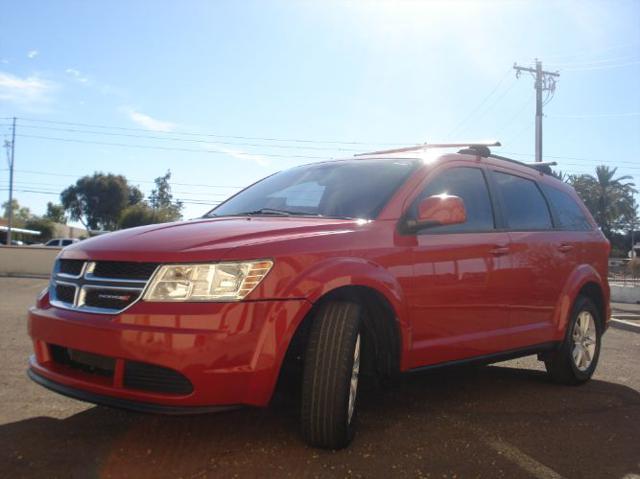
pixel 124 270
pixel 65 293
pixel 72 267
pixel 106 287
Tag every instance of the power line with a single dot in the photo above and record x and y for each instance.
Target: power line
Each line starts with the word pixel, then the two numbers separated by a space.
pixel 604 67
pixel 598 115
pixel 481 104
pixel 189 140
pixel 598 51
pixel 49 173
pixel 604 61
pixel 212 135
pixel 518 112
pixel 54 193
pixel 168 148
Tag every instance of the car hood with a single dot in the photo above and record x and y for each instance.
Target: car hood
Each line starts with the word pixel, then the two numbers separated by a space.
pixel 201 240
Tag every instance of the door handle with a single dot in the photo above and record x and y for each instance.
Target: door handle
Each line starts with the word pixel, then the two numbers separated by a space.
pixel 499 250
pixel 565 247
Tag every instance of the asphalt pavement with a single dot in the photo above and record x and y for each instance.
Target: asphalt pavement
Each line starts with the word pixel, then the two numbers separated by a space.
pixel 505 420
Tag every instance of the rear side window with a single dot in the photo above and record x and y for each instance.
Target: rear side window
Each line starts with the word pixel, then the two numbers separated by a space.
pixel 524 206
pixel 570 215
pixel 66 242
pixel 470 185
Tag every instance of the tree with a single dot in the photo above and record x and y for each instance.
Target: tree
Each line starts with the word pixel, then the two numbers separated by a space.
pixel 561 175
pixel 98 201
pixel 21 214
pixel 45 226
pixel 609 199
pixel 55 213
pixel 142 214
pixel 161 199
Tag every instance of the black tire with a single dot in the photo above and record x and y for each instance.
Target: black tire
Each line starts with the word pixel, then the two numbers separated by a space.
pixel 561 365
pixel 326 383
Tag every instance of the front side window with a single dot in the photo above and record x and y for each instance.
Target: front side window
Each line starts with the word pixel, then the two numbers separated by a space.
pixel 570 216
pixel 524 206
pixel 470 185
pixel 340 189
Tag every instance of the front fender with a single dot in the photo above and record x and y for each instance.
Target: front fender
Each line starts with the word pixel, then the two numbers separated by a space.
pixel 580 276
pixel 326 276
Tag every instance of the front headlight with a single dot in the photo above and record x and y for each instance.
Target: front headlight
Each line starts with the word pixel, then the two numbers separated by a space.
pixel 206 282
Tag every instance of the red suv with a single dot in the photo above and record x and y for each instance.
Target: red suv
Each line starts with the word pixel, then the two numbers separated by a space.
pixel 386 263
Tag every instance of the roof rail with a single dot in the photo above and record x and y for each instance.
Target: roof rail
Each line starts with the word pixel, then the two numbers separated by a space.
pixel 425 146
pixel 542 167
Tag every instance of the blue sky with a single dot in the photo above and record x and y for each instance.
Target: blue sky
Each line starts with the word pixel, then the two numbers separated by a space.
pixel 320 73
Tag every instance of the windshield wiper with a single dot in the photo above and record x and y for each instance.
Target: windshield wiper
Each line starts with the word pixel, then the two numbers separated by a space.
pixel 276 212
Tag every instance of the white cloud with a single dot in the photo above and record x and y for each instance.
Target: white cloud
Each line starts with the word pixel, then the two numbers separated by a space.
pixel 32 54
pixel 148 122
pixel 76 75
pixel 241 155
pixel 27 91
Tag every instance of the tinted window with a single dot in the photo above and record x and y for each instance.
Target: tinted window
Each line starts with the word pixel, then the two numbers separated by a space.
pixel 66 242
pixel 354 189
pixel 470 185
pixel 52 243
pixel 524 206
pixel 570 215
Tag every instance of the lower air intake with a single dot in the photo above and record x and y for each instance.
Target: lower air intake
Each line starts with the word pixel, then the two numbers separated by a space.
pixel 155 378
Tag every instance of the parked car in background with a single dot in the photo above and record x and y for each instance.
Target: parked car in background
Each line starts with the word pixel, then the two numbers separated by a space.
pixel 60 242
pixel 392 262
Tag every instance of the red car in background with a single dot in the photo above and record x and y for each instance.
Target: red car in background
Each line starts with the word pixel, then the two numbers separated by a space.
pixel 376 265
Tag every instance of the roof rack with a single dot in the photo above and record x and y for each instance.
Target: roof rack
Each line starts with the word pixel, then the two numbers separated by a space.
pixel 479 148
pixel 425 146
pixel 542 167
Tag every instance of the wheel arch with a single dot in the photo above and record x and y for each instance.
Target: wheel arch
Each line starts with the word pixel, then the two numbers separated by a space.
pixel 584 280
pixel 381 329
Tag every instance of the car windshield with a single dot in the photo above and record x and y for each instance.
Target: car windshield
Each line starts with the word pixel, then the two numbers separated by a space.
pixel 341 189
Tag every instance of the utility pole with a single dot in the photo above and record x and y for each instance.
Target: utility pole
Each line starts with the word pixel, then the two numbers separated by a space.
pixel 544 81
pixel 10 157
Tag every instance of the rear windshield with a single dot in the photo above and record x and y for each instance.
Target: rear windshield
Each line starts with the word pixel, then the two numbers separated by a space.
pixel 342 189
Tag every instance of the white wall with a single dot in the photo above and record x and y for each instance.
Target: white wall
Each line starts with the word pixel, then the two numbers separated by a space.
pixel 27 260
pixel 625 294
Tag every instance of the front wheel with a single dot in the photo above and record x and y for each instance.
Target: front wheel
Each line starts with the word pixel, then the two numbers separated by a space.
pixel 576 360
pixel 330 381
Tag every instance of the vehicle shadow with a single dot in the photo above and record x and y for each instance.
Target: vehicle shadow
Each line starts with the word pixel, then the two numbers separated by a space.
pixel 481 422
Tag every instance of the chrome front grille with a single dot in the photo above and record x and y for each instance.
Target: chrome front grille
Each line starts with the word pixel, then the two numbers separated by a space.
pixel 104 287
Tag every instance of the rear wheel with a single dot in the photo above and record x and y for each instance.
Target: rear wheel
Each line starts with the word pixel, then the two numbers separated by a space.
pixel 577 358
pixel 331 374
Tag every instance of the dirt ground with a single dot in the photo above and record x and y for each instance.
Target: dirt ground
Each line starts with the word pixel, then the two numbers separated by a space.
pixel 505 420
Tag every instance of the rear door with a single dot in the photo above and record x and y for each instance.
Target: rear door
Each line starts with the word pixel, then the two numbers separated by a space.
pixel 540 265
pixel 460 271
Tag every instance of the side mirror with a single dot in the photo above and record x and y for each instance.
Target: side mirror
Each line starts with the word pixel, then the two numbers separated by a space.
pixel 439 210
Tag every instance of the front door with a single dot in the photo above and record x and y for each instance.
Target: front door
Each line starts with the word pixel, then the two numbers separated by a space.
pixel 457 307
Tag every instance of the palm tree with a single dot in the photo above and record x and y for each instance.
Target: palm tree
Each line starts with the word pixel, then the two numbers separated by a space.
pixel 609 199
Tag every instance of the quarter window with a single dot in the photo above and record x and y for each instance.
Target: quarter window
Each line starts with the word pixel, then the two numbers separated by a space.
pixel 524 206
pixel 470 185
pixel 570 215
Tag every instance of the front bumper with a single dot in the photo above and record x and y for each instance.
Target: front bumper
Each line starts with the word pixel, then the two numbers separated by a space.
pixel 230 352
